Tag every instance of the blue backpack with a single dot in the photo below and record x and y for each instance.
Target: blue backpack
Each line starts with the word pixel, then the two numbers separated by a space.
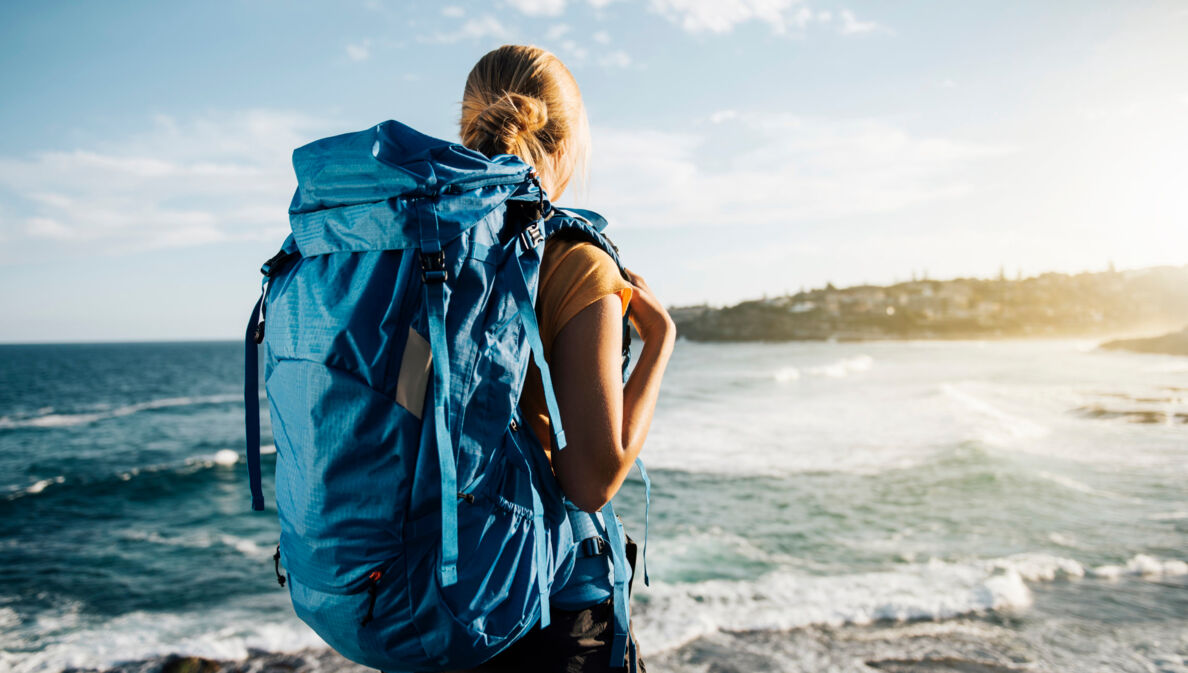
pixel 422 528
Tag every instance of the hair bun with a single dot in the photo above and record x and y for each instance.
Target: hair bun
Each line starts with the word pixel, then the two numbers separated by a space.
pixel 513 115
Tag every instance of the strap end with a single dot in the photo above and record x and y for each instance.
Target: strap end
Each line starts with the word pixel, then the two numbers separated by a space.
pixel 619 647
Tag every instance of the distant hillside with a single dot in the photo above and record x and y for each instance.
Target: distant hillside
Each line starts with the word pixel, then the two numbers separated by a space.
pixel 1175 343
pixel 1051 304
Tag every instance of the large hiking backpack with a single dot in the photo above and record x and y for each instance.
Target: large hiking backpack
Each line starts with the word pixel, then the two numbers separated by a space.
pixel 421 526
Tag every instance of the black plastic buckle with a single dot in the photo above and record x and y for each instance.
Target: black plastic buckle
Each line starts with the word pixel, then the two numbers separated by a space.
pixel 532 236
pixel 433 268
pixel 594 546
pixel 276 262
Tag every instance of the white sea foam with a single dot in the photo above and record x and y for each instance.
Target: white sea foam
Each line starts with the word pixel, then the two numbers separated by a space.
pixel 1074 485
pixel 787 374
pixel 1170 366
pixel 1169 516
pixel 1144 566
pixel 9 619
pixel 1039 567
pixel 226 457
pixel 668 615
pixel 843 367
pixel 52 420
pixel 34 488
pixel 229 634
pixel 998 426
pixel 200 540
pixel 673 614
pixel 677 613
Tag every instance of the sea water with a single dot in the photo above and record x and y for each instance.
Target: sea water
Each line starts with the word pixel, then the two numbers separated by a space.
pixel 895 506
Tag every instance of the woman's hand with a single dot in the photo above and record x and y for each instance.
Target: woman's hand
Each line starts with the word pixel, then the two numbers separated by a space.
pixel 648 315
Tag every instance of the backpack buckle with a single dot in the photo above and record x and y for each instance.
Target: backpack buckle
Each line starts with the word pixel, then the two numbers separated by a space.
pixel 594 546
pixel 532 236
pixel 433 268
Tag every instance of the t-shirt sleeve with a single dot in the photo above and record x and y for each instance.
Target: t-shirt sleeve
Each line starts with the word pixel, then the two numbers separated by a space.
pixel 573 276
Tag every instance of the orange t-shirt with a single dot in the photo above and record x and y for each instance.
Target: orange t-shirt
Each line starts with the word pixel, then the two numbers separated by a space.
pixel 573 275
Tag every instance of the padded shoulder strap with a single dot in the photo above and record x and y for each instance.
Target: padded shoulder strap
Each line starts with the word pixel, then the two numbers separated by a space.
pixel 584 224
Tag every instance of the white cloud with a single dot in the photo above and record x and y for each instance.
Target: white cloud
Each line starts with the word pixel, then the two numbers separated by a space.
pixel 782 169
pixel 722 116
pixel 556 31
pixel 615 59
pixel 721 16
pixel 180 183
pixel 453 11
pixel 551 7
pixel 576 53
pixel 852 26
pixel 539 7
pixel 473 29
pixel 360 51
pixel 782 16
pixel 45 227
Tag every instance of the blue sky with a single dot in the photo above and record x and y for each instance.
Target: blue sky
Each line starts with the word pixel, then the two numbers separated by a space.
pixel 741 147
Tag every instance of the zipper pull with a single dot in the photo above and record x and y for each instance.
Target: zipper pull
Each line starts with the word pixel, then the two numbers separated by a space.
pixel 280 579
pixel 372 590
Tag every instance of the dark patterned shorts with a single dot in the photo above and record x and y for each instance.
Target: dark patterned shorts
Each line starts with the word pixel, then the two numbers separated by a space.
pixel 574 642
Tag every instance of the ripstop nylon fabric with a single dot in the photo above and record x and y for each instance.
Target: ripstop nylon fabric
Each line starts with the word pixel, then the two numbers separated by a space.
pixel 413 543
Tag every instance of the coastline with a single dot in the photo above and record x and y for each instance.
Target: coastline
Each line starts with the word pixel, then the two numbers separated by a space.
pixel 1172 343
pixel 1031 639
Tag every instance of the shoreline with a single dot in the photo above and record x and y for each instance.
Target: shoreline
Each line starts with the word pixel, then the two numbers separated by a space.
pixel 1172 343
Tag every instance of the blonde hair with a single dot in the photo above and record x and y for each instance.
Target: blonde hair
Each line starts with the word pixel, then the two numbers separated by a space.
pixel 522 100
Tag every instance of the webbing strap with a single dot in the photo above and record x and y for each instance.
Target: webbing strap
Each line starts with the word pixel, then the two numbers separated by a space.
pixel 251 404
pixel 618 546
pixel 528 315
pixel 435 306
pixel 540 557
pixel 647 515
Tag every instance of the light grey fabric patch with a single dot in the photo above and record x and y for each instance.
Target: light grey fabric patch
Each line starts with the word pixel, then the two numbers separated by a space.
pixel 414 373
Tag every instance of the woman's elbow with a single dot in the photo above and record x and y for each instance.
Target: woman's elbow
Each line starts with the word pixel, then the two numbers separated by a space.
pixel 591 498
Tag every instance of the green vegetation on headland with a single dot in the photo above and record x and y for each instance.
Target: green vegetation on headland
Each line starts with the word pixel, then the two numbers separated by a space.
pixel 1049 305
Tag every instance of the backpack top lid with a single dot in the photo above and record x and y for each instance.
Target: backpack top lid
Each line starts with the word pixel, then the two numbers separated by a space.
pixel 359 191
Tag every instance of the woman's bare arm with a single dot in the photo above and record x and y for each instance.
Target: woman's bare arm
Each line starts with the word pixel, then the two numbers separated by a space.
pixel 605 421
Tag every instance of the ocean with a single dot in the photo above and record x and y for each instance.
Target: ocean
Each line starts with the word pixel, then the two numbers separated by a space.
pixel 885 506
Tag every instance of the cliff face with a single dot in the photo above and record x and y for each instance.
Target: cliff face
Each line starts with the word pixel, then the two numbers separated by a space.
pixel 1175 343
pixel 1043 306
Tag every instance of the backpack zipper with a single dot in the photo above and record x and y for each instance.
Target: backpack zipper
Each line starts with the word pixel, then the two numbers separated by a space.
pixel 372 590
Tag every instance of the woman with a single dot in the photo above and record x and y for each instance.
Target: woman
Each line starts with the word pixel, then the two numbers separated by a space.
pixel 522 100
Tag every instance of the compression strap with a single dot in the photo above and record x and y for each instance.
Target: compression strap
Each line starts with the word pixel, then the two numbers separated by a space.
pixel 251 403
pixel 434 275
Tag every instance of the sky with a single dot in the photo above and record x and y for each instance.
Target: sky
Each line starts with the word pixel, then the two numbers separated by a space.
pixel 741 148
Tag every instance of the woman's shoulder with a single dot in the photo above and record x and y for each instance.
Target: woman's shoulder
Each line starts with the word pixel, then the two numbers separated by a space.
pixel 576 257
pixel 573 275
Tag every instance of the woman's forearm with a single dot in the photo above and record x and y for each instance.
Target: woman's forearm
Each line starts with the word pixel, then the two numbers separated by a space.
pixel 641 392
pixel 606 421
pixel 640 395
